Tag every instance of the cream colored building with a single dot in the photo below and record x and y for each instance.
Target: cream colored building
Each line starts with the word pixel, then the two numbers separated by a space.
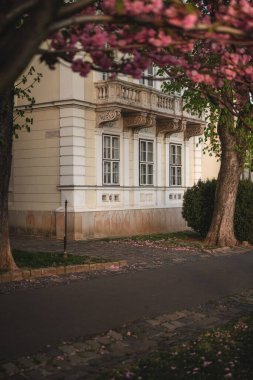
pixel 120 152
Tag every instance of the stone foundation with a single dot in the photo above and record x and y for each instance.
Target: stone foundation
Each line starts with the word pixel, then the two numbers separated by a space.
pixel 99 224
pixel 34 222
pixel 116 223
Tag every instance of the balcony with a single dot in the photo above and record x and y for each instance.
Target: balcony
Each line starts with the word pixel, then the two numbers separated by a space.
pixel 131 97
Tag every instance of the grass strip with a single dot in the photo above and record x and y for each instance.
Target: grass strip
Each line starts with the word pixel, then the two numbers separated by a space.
pixel 221 353
pixel 34 260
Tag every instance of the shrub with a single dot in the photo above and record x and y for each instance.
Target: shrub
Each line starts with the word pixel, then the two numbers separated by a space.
pixel 198 206
pixel 243 220
pixel 199 203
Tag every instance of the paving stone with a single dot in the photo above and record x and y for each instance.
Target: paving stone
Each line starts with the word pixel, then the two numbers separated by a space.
pixel 119 348
pixel 105 340
pixel 90 355
pixel 115 335
pixel 177 324
pixel 57 362
pixel 68 349
pixel 76 360
pixel 92 345
pixel 175 316
pixel 163 318
pixel 153 322
pixel 25 362
pixel 80 346
pixel 17 377
pixel 197 316
pixel 169 326
pixel 10 368
pixel 40 358
pixel 44 372
pixel 36 375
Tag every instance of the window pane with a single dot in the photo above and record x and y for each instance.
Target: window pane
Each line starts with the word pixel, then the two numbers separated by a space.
pixel 176 165
pixel 150 82
pixel 150 175
pixel 107 172
pixel 143 151
pixel 107 147
pixel 150 69
pixel 179 176
pixel 150 74
pixel 179 155
pixel 115 173
pixel 150 169
pixel 150 151
pixel 115 148
pixel 173 176
pixel 143 173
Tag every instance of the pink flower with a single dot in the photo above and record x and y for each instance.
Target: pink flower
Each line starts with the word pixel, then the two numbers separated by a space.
pixel 189 21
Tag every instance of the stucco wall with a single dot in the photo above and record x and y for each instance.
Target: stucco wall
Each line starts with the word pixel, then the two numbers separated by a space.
pixel 35 166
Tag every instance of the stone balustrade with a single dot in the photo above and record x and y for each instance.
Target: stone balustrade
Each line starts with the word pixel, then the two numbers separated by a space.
pixel 132 97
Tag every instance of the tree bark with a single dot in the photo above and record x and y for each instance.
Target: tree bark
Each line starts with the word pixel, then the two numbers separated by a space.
pixel 6 136
pixel 18 45
pixel 221 232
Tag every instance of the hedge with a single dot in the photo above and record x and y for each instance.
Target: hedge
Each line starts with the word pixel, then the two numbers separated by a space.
pixel 198 207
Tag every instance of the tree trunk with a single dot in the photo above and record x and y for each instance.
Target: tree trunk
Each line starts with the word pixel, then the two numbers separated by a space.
pixel 221 232
pixel 6 125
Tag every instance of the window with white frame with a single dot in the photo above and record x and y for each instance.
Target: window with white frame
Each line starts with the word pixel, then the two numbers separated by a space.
pixel 111 160
pixel 149 73
pixel 105 76
pixel 175 165
pixel 146 162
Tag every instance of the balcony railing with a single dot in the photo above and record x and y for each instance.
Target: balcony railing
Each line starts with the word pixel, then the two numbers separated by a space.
pixel 135 97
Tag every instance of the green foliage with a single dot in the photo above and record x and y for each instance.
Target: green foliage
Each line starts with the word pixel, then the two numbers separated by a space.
pixel 23 90
pixel 201 99
pixel 220 353
pixel 198 206
pixel 199 203
pixel 26 259
pixel 244 212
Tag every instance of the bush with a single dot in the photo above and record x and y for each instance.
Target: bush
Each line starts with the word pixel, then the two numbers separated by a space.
pixel 198 206
pixel 199 203
pixel 243 220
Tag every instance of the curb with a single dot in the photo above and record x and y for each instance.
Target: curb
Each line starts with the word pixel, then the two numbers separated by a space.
pixel 228 250
pixel 28 274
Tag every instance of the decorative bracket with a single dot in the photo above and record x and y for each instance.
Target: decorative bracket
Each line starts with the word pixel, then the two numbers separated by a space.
pixel 139 120
pixel 170 126
pixel 106 116
pixel 193 130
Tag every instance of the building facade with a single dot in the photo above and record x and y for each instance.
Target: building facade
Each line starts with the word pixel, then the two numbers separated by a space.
pixel 120 152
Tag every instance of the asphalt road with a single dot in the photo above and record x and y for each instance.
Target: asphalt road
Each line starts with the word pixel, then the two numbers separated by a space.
pixel 33 318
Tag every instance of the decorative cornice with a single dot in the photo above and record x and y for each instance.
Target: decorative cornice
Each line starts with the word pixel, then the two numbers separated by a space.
pixel 105 116
pixel 139 120
pixel 169 126
pixel 193 130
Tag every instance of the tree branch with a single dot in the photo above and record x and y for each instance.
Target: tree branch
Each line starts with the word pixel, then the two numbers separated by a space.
pixel 75 20
pixel 71 9
pixel 21 53
pixel 16 13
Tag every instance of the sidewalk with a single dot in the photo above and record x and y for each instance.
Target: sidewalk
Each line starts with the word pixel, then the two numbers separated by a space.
pixel 137 253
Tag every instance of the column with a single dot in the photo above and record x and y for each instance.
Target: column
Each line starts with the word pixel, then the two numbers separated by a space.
pixel 72 156
pixel 197 159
